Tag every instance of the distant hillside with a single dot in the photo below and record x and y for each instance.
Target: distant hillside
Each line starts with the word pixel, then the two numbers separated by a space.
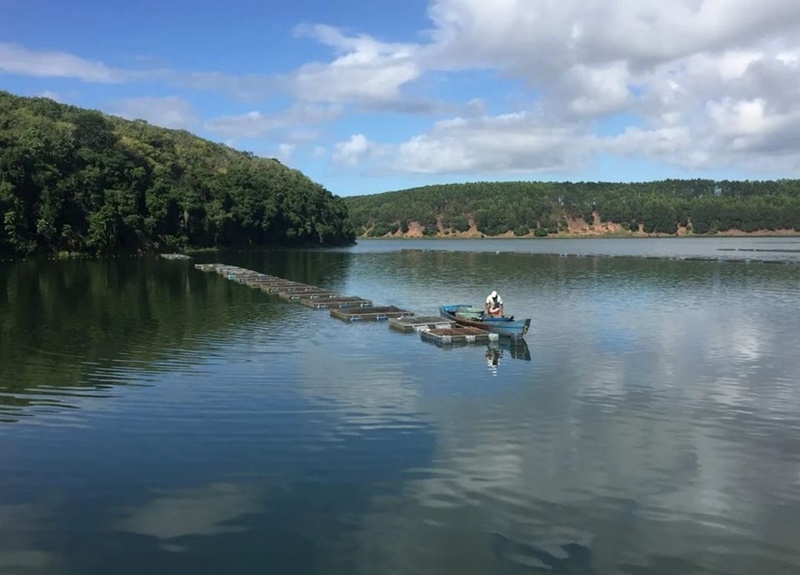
pixel 77 180
pixel 540 209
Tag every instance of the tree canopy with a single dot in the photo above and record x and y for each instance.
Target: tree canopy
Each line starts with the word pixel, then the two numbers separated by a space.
pixel 78 180
pixel 541 208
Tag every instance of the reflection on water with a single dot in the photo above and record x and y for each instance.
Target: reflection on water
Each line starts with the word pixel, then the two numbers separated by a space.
pixel 211 510
pixel 505 349
pixel 158 419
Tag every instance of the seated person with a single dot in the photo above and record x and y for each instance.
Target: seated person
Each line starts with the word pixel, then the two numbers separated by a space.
pixel 494 304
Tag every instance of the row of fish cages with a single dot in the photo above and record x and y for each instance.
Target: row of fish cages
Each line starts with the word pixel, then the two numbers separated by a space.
pixel 353 308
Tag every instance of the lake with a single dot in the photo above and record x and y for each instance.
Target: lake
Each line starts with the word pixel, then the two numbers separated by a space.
pixel 158 419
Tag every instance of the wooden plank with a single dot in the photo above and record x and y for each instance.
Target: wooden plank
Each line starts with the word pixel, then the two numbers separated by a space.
pixel 418 323
pixel 370 313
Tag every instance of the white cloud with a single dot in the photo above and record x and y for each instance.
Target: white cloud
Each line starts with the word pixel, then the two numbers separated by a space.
pixel 518 142
pixel 16 59
pixel 702 84
pixel 695 84
pixel 597 91
pixel 302 135
pixel 255 124
pixel 246 87
pixel 546 35
pixel 285 150
pixel 352 151
pixel 168 112
pixel 366 70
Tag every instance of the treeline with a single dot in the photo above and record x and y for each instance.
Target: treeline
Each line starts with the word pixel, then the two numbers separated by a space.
pixel 543 208
pixel 77 180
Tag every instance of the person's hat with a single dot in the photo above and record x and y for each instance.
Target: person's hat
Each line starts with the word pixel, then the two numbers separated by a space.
pixel 494 294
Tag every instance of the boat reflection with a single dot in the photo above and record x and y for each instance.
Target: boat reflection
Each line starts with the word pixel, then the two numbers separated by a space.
pixel 496 350
pixel 506 348
pixel 516 349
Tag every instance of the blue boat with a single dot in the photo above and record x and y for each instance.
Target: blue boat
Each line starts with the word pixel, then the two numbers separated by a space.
pixel 468 315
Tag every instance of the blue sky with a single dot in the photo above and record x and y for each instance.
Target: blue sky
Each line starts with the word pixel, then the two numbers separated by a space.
pixel 371 96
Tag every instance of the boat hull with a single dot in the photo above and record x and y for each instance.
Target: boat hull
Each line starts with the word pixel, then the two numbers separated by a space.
pixel 474 317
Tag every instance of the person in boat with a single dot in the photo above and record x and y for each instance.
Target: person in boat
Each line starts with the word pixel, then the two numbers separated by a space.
pixel 494 304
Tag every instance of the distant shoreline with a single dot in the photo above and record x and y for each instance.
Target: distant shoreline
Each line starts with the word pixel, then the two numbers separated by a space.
pixel 588 236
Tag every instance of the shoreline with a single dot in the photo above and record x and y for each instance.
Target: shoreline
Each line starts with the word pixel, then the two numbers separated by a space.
pixel 568 236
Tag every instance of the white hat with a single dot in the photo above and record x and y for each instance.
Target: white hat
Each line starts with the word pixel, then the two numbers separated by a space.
pixel 494 294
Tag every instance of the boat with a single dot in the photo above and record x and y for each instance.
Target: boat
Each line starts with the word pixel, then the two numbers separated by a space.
pixel 506 325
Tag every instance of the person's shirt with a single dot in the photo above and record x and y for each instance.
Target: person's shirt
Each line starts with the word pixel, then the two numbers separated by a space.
pixel 494 303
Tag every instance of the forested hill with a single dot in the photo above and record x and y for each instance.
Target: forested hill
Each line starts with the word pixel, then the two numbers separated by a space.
pixel 545 208
pixel 77 180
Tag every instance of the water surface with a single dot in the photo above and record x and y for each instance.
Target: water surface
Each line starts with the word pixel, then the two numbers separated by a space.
pixel 154 418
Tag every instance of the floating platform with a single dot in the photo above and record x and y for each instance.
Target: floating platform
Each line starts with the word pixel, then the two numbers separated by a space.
pixel 254 281
pixel 239 276
pixel 299 288
pixel 308 294
pixel 370 313
pixel 457 334
pixel 175 257
pixel 418 323
pixel 284 286
pixel 259 278
pixel 336 303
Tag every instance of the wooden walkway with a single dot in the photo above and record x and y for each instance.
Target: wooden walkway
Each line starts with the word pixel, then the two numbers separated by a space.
pixel 352 308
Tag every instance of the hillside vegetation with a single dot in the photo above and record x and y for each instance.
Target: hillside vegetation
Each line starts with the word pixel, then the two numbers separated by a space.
pixel 547 208
pixel 77 180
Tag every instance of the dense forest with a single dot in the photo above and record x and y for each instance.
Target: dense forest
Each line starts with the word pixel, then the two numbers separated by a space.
pixel 77 180
pixel 544 208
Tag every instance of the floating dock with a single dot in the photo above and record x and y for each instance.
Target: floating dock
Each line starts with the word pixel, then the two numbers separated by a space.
pixel 351 308
pixel 336 302
pixel 418 323
pixel 308 294
pixel 370 313
pixel 457 334
pixel 282 287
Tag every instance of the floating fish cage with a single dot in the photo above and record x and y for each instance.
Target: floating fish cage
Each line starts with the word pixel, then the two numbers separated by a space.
pixel 350 308
pixel 278 287
pixel 175 257
pixel 418 323
pixel 336 303
pixel 457 334
pixel 370 313
pixel 308 294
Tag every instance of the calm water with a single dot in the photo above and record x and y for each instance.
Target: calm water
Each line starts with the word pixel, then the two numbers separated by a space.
pixel 157 419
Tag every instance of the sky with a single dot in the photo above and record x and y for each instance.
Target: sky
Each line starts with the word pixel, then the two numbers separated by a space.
pixel 377 95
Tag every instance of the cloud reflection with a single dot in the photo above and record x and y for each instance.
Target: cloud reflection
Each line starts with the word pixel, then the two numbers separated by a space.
pixel 657 435
pixel 19 526
pixel 205 511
